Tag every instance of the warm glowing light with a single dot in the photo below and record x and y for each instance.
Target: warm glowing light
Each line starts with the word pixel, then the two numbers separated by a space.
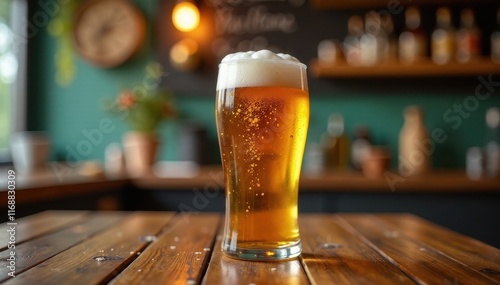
pixel 185 16
pixel 184 55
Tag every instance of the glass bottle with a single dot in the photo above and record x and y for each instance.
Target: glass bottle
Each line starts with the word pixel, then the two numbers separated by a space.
pixel 373 42
pixel 352 42
pixel 414 155
pixel 413 40
pixel 335 144
pixel 360 147
pixel 493 142
pixel 468 38
pixel 495 41
pixel 388 53
pixel 443 38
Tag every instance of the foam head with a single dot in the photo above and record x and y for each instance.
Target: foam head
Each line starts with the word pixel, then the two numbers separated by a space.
pixel 261 68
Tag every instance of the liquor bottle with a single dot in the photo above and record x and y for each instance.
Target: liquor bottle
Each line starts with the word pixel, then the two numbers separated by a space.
pixel 414 155
pixel 352 42
pixel 443 38
pixel 360 147
pixel 374 42
pixel 335 144
pixel 329 52
pixel 492 149
pixel 389 53
pixel 468 38
pixel 413 40
pixel 495 41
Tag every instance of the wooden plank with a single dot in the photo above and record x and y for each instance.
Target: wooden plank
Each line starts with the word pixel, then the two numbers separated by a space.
pixel 331 255
pixel 224 270
pixel 422 263
pixel 211 178
pixel 180 255
pixel 42 248
pixel 393 5
pixel 437 181
pixel 395 70
pixel 473 253
pixel 39 224
pixel 100 258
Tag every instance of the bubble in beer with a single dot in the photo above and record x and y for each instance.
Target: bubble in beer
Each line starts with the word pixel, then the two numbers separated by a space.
pixel 262 101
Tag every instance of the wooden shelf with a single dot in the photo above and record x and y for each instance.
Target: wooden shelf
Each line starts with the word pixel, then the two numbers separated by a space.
pixel 364 4
pixel 439 181
pixel 423 69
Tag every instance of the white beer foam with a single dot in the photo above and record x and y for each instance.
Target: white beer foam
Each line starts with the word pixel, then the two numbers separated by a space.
pixel 261 68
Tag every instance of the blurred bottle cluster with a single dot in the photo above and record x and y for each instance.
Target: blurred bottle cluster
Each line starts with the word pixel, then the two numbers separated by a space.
pixel 372 40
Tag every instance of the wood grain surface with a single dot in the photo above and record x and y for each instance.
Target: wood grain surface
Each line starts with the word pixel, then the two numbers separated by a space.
pixel 42 223
pixel 98 259
pixel 185 248
pixel 423 263
pixel 331 255
pixel 229 271
pixel 178 256
pixel 40 249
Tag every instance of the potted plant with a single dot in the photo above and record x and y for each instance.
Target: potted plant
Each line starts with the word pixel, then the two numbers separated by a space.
pixel 144 111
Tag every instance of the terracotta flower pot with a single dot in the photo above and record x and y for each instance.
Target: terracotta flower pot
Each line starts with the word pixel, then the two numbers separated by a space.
pixel 140 151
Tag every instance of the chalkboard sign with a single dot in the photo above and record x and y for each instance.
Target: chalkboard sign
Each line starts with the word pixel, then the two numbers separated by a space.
pixel 227 26
pixel 294 27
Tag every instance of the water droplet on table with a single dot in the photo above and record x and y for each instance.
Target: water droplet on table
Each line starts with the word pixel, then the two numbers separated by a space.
pixel 149 238
pixel 330 245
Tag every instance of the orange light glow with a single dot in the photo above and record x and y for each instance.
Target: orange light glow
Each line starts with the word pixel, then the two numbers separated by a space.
pixel 186 16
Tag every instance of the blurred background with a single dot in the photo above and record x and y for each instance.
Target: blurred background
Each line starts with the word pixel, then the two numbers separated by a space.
pixel 109 104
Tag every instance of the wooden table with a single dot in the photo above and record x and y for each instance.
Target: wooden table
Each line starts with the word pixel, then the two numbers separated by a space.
pixel 61 247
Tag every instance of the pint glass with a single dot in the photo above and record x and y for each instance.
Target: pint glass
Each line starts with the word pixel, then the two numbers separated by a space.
pixel 262 114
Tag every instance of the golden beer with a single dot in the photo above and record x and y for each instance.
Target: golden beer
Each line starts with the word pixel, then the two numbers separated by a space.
pixel 262 132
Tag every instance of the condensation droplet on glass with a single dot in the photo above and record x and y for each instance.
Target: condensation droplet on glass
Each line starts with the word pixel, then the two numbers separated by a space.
pixel 172 247
pixel 190 282
pixel 131 252
pixel 112 249
pixel 138 252
pixel 176 239
pixel 274 269
pixel 198 252
pixel 206 249
pixel 139 270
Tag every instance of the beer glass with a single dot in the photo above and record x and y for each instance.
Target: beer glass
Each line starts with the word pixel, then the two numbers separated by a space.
pixel 262 114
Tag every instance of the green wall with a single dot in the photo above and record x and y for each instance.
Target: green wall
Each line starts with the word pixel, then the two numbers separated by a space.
pixel 65 113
